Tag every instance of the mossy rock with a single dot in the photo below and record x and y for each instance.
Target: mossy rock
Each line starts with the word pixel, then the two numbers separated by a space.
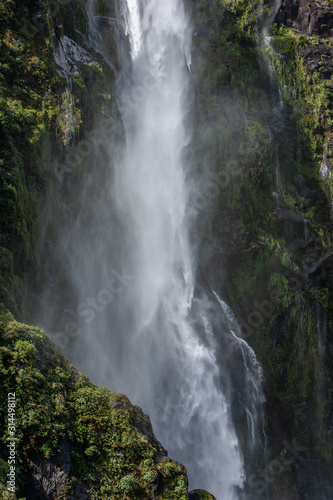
pixel 72 434
pixel 105 8
pixel 201 495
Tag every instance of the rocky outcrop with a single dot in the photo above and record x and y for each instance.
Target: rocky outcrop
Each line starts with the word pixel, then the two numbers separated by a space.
pixel 48 478
pixel 326 168
pixel 312 19
pixel 307 16
pixel 319 58
pixel 201 495
pixel 68 55
pixel 75 440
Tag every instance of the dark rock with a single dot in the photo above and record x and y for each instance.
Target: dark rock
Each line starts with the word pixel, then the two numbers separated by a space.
pixel 117 405
pixel 80 493
pixel 144 427
pixel 319 58
pixel 302 188
pixel 68 55
pixel 307 16
pixel 105 35
pixel 201 495
pixel 313 266
pixel 49 477
pixel 44 362
pixel 75 377
pixel 194 495
pixel 284 214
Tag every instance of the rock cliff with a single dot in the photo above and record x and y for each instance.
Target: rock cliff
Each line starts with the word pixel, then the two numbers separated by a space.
pixel 75 440
pixel 264 128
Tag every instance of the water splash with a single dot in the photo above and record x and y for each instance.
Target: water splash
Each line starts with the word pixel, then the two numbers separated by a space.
pixel 254 403
pixel 132 26
pixel 167 359
pixel 158 337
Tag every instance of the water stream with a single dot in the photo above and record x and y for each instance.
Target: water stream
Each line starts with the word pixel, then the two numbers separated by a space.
pixel 267 51
pixel 168 363
pixel 146 326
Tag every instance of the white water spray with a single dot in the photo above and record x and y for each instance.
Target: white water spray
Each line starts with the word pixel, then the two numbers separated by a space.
pixel 254 378
pixel 167 361
pixel 149 330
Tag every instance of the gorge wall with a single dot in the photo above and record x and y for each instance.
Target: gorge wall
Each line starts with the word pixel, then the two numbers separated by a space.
pixel 268 120
pixel 263 146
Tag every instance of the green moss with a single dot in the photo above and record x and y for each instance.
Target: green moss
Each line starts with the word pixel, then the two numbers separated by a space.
pixel 244 10
pixel 28 108
pixel 105 8
pixel 264 245
pixel 69 118
pixel 78 80
pixel 308 92
pixel 54 402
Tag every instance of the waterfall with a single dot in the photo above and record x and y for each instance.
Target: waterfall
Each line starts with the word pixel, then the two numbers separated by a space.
pixel 266 50
pixel 254 398
pixel 146 325
pixel 170 371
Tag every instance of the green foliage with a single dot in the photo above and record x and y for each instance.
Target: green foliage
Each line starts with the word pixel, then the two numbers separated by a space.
pixel 243 10
pixel 69 118
pixel 54 402
pixel 10 286
pixel 104 8
pixel 261 245
pixel 78 80
pixel 28 107
pixel 309 93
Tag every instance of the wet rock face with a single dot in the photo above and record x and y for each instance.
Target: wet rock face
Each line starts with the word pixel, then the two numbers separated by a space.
pixel 319 58
pixel 48 477
pixel 68 55
pixel 307 16
pixel 326 168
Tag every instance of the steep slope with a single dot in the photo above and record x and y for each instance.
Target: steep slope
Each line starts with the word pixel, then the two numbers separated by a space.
pixel 264 119
pixel 73 439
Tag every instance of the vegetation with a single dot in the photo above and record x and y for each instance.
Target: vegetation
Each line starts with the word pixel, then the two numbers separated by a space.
pixel 113 451
pixel 264 244
pixel 40 122
pixel 270 234
pixel 29 107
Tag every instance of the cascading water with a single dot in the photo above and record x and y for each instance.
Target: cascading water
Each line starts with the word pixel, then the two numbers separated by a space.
pixel 265 41
pixel 167 359
pixel 159 336
pixel 254 377
pixel 267 51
